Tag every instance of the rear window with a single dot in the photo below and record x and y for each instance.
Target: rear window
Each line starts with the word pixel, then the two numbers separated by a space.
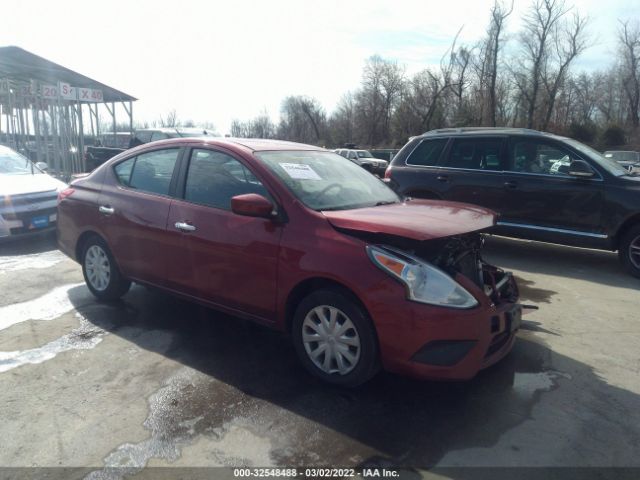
pixel 428 152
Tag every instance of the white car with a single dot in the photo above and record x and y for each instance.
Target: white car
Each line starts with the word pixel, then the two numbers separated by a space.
pixel 28 196
pixel 365 159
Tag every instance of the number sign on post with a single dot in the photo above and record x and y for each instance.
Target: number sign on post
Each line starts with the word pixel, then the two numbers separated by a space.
pixel 67 92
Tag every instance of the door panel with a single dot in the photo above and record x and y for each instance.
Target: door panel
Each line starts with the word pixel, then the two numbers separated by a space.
pixel 541 193
pixel 135 206
pixel 471 172
pixel 228 259
pixel 222 257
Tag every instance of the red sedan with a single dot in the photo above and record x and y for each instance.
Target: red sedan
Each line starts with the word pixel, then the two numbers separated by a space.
pixel 303 240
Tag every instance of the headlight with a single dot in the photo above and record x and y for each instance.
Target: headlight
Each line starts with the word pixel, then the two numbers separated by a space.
pixel 425 283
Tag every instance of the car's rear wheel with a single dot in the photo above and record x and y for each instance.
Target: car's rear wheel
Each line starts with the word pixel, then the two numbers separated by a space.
pixel 101 272
pixel 335 339
pixel 629 252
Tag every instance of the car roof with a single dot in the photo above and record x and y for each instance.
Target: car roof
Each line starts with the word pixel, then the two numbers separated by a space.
pixel 473 131
pixel 253 144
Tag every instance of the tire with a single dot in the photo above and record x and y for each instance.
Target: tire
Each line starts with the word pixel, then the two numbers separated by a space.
pixel 629 251
pixel 100 271
pixel 351 345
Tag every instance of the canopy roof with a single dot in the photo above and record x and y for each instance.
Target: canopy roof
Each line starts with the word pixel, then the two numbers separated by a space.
pixel 19 64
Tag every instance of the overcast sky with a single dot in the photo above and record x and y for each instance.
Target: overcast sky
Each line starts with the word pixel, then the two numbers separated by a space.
pixel 215 61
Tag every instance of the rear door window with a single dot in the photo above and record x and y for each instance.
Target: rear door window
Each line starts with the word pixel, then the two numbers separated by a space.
pixel 149 172
pixel 475 154
pixel 428 152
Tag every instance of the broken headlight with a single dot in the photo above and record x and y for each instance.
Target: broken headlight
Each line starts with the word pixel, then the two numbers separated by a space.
pixel 425 283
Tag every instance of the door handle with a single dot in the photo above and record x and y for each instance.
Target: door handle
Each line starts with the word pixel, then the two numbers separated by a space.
pixel 185 227
pixel 510 185
pixel 443 178
pixel 106 210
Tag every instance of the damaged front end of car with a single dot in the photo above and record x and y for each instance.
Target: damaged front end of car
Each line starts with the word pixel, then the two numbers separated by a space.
pixel 457 256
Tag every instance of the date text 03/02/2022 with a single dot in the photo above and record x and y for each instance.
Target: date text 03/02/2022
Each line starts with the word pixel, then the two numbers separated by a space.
pixel 315 473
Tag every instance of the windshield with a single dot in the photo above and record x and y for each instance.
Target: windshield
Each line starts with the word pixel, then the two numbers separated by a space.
pixel 12 163
pixel 326 181
pixel 364 154
pixel 610 165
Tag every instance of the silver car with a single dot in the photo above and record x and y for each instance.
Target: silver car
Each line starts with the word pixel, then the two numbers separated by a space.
pixel 28 196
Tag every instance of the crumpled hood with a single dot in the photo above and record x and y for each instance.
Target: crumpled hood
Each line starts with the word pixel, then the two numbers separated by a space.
pixel 27 183
pixel 415 219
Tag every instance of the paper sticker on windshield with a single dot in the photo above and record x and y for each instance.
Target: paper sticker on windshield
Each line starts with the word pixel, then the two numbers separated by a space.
pixel 300 171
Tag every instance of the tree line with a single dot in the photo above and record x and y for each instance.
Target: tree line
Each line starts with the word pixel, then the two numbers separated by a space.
pixel 524 80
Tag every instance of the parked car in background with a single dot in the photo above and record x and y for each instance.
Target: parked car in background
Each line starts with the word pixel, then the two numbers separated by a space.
pixel 297 238
pixel 365 159
pixel 628 159
pixel 97 155
pixel 27 196
pixel 116 140
pixel 384 153
pixel 544 187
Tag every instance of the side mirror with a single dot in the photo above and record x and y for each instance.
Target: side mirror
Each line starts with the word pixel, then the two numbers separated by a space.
pixel 252 205
pixel 42 166
pixel 581 169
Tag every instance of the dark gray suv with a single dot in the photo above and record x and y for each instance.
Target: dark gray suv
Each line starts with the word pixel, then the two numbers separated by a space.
pixel 545 187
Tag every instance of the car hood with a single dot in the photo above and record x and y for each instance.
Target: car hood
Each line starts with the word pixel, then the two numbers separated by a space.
pixel 415 219
pixel 27 183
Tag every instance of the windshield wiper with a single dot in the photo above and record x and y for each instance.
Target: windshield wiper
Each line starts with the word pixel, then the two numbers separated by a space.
pixel 385 202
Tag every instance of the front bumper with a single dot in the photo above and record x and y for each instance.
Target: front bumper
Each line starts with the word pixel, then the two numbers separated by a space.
pixel 448 344
pixel 377 167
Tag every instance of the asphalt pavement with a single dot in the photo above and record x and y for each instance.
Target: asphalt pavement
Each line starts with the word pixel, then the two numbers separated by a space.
pixel 152 381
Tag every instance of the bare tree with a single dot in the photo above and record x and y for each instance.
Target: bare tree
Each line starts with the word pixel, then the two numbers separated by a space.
pixel 540 24
pixel 302 119
pixel 170 120
pixel 629 38
pixel 260 127
pixel 491 56
pixel 343 121
pixel 569 42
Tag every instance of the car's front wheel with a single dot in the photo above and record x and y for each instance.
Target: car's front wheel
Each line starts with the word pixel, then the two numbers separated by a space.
pixel 630 251
pixel 101 272
pixel 335 339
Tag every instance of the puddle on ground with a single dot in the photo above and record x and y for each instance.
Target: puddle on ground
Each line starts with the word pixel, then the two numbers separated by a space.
pixel 533 294
pixel 49 306
pixel 172 428
pixel 32 261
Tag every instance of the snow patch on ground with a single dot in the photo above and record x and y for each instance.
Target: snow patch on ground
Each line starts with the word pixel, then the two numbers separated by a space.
pixel 49 306
pixel 85 337
pixel 32 261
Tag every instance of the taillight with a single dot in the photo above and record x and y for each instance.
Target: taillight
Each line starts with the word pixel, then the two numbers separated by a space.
pixel 387 172
pixel 67 192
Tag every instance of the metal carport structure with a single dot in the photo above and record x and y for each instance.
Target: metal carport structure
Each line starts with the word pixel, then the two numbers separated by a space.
pixel 44 107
